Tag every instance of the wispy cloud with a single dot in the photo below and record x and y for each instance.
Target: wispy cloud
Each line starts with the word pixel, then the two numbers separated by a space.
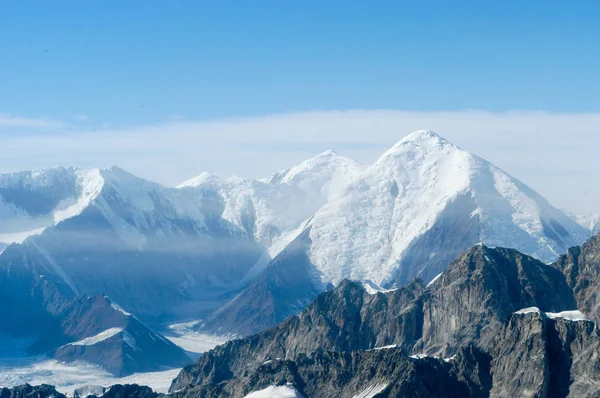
pixel 7 121
pixel 555 153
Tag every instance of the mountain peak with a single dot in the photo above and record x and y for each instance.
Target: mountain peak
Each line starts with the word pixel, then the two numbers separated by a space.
pixel 327 153
pixel 421 146
pixel 424 138
pixel 421 135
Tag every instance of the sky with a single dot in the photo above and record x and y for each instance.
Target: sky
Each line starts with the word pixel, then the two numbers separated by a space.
pixel 167 90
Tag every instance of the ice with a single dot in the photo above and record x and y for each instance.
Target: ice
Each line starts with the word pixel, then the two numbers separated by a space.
pixel 276 392
pixel 386 347
pixel 528 310
pixel 573 315
pixel 435 278
pixel 68 377
pixel 569 315
pixel 420 356
pixel 183 335
pixel 373 390
pixel 107 334
pixel 372 288
pixel 279 204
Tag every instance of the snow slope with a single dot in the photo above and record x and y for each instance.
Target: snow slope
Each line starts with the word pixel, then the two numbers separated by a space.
pixel 69 377
pixel 589 221
pixel 271 207
pixel 107 334
pixel 275 392
pixel 31 201
pixel 408 192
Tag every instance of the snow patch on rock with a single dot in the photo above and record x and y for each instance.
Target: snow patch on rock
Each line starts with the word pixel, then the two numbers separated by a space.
pixel 276 392
pixel 573 315
pixel 373 390
pixel 105 335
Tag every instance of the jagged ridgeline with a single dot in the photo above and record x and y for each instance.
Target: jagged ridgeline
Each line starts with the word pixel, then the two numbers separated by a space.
pixel 496 323
pixel 244 255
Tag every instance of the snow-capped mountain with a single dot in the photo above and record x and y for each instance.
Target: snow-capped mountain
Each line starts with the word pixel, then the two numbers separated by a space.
pixel 322 177
pixel 271 207
pixel 163 253
pixel 590 221
pixel 275 209
pixel 153 249
pixel 175 254
pixel 397 218
pixel 32 201
pixel 408 215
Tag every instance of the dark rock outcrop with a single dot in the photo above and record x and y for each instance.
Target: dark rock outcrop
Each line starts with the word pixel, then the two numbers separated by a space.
pixel 28 391
pixel 129 391
pixel 131 348
pixel 459 314
pixel 537 356
pixel 387 373
pixel 581 267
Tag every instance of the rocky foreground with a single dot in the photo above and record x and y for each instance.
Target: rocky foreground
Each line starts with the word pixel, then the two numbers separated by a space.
pixel 496 323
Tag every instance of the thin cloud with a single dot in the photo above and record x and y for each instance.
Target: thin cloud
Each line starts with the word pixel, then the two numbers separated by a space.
pixel 554 153
pixel 7 120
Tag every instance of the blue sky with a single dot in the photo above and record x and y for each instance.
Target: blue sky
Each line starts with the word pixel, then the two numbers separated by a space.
pixel 129 62
pixel 83 73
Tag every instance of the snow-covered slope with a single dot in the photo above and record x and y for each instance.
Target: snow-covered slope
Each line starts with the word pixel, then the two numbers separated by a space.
pixel 164 253
pixel 156 250
pixel 417 208
pixel 275 209
pixel 398 218
pixel 322 177
pixel 274 206
pixel 590 221
pixel 31 201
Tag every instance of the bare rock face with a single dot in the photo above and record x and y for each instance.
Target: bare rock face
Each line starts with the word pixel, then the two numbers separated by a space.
pixel 480 290
pixel 461 316
pixel 381 373
pixel 536 356
pixel 581 267
pixel 496 323
pixel 130 348
pixel 129 391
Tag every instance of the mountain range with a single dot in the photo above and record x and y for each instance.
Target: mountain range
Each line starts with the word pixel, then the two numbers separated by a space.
pixel 243 255
pixel 496 323
pixel 408 215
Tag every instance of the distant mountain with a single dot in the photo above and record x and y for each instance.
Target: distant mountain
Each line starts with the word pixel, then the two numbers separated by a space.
pixel 493 317
pixel 589 221
pixel 421 204
pixel 164 254
pixel 77 328
pixel 274 209
pixel 245 254
pixel 407 216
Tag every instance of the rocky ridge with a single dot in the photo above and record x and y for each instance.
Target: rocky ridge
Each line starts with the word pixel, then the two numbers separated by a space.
pixel 494 313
